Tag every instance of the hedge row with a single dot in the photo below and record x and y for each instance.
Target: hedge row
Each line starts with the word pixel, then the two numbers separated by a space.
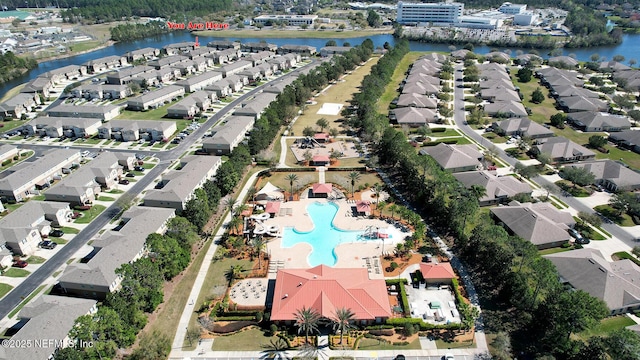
pixel 434 143
pixel 403 294
pixel 402 322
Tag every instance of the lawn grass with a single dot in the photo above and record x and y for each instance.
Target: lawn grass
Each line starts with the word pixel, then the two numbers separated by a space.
pixel 59 241
pixel 607 326
pixel 12 92
pixel 115 191
pixel 24 155
pixel 541 112
pixel 11 124
pixel 294 34
pixel 4 289
pixel 215 284
pixel 307 178
pixel 373 344
pixel 26 301
pixel 391 90
pixel 622 255
pixel 339 93
pixel 16 273
pixel 89 215
pixel 251 339
pixel 444 134
pixel 554 250
pixel 495 138
pixel 36 259
pixel 84 46
pixel 441 344
pixel 611 213
pixel 105 198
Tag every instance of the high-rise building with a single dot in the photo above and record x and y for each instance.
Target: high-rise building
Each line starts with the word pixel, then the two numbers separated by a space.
pixel 444 12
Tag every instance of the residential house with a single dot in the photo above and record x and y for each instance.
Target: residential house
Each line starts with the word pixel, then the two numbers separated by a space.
pixel 131 130
pixel 540 223
pixel 105 63
pixel 421 78
pixel 303 50
pixel 612 175
pixel 253 74
pixel 146 79
pixel 191 105
pixel 506 108
pixel 83 185
pixel 413 116
pixel 254 47
pixel 631 77
pixel 460 54
pixel 234 67
pixel 611 66
pixel 437 273
pixel 102 112
pixel 259 57
pixel 167 74
pixel 455 158
pixel 156 98
pixel 325 290
pixel 525 59
pixel 65 73
pixel 8 152
pixel 63 126
pixel 199 82
pixel 200 52
pixel 578 103
pixel 563 61
pixel 102 91
pixel 497 83
pixel 499 93
pixel 229 135
pixel 421 88
pixel 126 75
pixel 40 85
pixel 188 67
pixel 332 50
pixel 23 228
pixel 589 121
pixel 225 56
pixel 416 100
pixel 177 187
pixel 178 48
pixel 124 244
pixel 256 106
pixel 142 54
pixel 561 149
pixel 166 61
pixel 570 90
pixel 498 189
pixel 522 127
pixel 278 86
pixel 221 89
pixel 19 105
pixel 224 44
pixel 498 56
pixel 47 319
pixel 614 282
pixel 629 139
pixel 266 69
pixel 22 179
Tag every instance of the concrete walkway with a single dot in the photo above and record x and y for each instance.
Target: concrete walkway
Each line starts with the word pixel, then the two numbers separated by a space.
pixel 189 309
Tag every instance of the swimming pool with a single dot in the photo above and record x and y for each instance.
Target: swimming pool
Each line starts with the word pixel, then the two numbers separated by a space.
pixel 324 237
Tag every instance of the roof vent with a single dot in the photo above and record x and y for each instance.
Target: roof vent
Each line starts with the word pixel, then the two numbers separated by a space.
pixel 300 284
pixel 592 261
pixel 315 276
pixel 285 296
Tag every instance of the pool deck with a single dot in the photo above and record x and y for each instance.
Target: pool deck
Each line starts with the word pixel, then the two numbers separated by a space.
pixel 350 255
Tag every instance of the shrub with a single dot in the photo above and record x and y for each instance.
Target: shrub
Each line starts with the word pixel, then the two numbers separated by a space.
pixel 385 332
pixel 273 328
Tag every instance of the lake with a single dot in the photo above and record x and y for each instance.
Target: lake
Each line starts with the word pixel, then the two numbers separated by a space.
pixel 629 49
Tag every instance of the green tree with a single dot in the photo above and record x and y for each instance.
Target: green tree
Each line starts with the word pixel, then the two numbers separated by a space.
pixel 331 43
pixel 597 141
pixel 234 224
pixel 322 124
pixel 558 120
pixel 537 96
pixel 577 175
pixel 291 178
pixel 377 190
pixel 233 273
pixel 334 132
pixel 258 243
pixel 152 347
pixel 354 177
pixel 197 209
pixel 307 321
pixel 624 202
pixel 524 75
pixel 342 321
pixel 373 19
pixel 308 132
pixel 526 171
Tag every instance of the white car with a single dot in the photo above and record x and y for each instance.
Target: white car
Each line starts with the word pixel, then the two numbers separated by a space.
pixel 85 153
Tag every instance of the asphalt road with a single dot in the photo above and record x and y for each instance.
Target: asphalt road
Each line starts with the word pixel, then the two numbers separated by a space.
pixel 459 118
pixel 20 292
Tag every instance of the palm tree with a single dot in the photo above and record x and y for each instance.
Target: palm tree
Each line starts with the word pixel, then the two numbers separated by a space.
pixel 344 318
pixel 381 205
pixel 354 176
pixel 258 245
pixel 251 193
pixel 307 321
pixel 393 208
pixel 233 273
pixel 478 191
pixel 291 178
pixel 234 224
pixel 238 209
pixel 377 189
pixel 230 203
pixel 276 349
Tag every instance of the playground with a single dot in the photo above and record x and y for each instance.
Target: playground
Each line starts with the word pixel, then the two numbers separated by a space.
pixel 346 148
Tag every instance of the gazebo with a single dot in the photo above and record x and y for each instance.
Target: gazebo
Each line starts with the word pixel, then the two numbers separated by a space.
pixel 321 190
pixel 321 160
pixel 363 208
pixel 269 192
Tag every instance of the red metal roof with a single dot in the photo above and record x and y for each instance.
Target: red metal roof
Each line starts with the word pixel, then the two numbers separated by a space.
pixel 363 206
pixel 437 271
pixel 326 289
pixel 322 188
pixel 320 136
pixel 273 207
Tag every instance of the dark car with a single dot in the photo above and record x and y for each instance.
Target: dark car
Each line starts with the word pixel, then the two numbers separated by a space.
pixel 138 168
pixel 48 244
pixel 20 264
pixel 130 175
pixel 56 233
pixel 123 182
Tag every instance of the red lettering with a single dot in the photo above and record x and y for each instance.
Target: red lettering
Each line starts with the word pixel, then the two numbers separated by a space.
pixel 195 26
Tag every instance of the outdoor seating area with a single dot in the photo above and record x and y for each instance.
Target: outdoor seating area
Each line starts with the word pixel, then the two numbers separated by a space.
pixel 373 265
pixel 249 292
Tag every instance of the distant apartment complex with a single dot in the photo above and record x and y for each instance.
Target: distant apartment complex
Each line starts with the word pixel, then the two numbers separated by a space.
pixel 449 12
pixel 292 20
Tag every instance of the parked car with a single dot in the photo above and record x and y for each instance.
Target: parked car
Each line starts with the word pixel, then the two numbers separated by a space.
pixel 582 240
pixel 20 264
pixel 83 207
pixel 56 233
pixel 48 244
pixel 130 175
pixel 138 168
pixel 123 182
pixel 449 356
pixel 574 233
